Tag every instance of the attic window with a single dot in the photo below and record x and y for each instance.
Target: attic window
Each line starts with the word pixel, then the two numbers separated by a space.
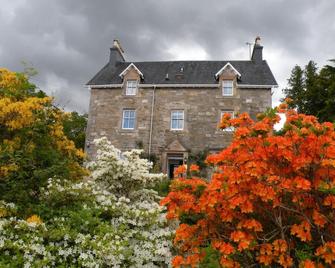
pixel 227 88
pixel 131 88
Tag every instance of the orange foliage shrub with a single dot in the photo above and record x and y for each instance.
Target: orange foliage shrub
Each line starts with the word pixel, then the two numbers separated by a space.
pixel 179 171
pixel 270 200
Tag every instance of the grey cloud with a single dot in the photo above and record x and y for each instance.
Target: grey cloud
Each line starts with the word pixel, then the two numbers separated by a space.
pixel 68 41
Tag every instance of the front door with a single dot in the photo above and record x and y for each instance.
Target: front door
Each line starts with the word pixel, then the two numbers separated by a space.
pixel 173 162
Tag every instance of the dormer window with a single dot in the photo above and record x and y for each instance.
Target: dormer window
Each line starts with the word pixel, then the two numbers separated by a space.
pixel 227 88
pixel 131 87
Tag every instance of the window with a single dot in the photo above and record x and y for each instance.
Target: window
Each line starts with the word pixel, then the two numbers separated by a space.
pixel 177 120
pixel 227 87
pixel 232 115
pixel 131 87
pixel 128 119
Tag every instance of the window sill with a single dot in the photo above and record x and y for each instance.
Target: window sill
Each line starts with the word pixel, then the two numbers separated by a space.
pixel 225 131
pixel 129 96
pixel 228 96
pixel 127 130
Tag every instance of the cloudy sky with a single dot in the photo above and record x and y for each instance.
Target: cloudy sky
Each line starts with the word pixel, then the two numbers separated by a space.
pixel 68 41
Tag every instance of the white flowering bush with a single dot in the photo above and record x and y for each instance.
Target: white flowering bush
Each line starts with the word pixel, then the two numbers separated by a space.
pixel 113 219
pixel 122 173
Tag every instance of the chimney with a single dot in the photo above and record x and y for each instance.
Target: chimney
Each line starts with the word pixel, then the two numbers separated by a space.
pixel 257 53
pixel 116 53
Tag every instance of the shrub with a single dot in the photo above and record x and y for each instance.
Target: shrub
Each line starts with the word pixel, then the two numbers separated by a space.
pixel 109 220
pixel 270 201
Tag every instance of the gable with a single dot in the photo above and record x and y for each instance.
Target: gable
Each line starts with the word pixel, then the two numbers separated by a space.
pixel 175 146
pixel 132 65
pixel 228 67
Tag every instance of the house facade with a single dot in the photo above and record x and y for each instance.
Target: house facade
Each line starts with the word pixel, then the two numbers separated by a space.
pixel 172 108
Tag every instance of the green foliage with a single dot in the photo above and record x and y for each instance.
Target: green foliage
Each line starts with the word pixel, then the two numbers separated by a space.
pixel 296 89
pixel 163 187
pixel 74 126
pixel 303 252
pixel 190 218
pixel 313 92
pixel 199 158
pixel 33 147
pixel 212 258
pixel 156 166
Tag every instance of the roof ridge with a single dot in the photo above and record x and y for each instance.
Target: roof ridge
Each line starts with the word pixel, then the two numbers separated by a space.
pixel 166 61
pixel 195 72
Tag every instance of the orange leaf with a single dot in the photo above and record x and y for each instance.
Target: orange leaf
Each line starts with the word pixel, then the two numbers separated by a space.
pixel 237 236
pixel 177 261
pixel 302 183
pixel 302 231
pixel 318 218
pixel 329 201
pixel 279 246
pixel 227 263
pixel 251 224
pixel 285 261
pixel 307 264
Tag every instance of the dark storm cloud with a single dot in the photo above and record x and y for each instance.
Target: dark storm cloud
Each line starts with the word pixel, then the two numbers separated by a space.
pixel 68 41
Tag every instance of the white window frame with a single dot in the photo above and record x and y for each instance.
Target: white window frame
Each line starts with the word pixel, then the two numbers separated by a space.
pixel 131 87
pixel 129 117
pixel 224 82
pixel 180 117
pixel 232 113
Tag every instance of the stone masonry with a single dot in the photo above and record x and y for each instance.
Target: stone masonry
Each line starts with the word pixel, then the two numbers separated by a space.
pixel 202 108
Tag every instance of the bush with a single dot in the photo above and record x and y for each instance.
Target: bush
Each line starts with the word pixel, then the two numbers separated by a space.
pixel 270 201
pixel 110 220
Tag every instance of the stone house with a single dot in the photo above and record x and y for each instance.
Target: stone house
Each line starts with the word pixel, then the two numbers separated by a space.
pixel 172 108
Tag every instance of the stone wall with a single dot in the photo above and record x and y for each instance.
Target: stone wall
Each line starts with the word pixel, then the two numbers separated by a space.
pixel 202 112
pixel 202 109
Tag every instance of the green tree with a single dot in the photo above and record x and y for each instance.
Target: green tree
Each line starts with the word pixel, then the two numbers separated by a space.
pixel 313 92
pixel 74 125
pixel 327 82
pixel 296 89
pixel 33 147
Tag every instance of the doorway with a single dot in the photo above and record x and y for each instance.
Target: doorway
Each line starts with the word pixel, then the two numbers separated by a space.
pixel 173 162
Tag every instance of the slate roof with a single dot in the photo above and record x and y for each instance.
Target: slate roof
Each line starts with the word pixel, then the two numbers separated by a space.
pixel 194 72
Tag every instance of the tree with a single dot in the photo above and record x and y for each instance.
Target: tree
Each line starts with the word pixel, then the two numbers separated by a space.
pixel 314 95
pixel 33 146
pixel 270 201
pixel 312 92
pixel 74 126
pixel 327 82
pixel 296 90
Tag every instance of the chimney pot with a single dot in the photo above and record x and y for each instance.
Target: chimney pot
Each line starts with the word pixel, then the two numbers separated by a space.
pixel 117 44
pixel 257 53
pixel 116 53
